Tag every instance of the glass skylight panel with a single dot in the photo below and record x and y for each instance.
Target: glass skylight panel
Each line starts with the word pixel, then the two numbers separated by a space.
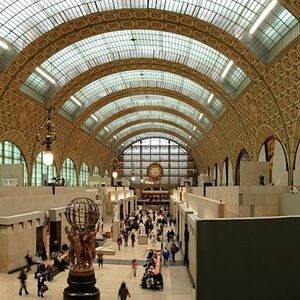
pixel 137 127
pixel 143 78
pixel 142 115
pixel 25 20
pixel 79 57
pixel 140 101
pixel 90 122
pixel 38 83
pixel 70 107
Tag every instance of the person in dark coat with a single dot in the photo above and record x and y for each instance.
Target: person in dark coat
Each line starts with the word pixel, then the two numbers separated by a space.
pixel 123 292
pixel 174 249
pixel 132 239
pixel 40 276
pixel 23 278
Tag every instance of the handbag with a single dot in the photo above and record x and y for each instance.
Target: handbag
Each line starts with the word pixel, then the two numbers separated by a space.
pixel 44 288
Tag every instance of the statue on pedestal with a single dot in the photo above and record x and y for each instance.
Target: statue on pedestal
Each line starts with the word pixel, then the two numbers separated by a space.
pixel 82 214
pixel 142 228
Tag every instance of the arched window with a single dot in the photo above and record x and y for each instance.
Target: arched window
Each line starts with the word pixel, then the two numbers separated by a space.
pixel 227 173
pixel 176 162
pixel 11 154
pixel 273 152
pixel 68 172
pixel 41 172
pixel 106 173
pixel 96 171
pixel 216 174
pixel 243 156
pixel 84 175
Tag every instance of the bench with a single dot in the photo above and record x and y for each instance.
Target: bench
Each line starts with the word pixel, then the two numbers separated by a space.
pixel 158 262
pixel 55 270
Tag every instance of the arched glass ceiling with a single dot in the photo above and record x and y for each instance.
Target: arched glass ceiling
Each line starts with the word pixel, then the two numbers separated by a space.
pixel 144 100
pixel 142 115
pixel 144 78
pixel 146 135
pixel 22 21
pixel 144 126
pixel 83 55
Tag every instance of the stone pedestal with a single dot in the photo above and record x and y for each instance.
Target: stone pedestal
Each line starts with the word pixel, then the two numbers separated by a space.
pixel 81 286
pixel 116 230
pixel 142 239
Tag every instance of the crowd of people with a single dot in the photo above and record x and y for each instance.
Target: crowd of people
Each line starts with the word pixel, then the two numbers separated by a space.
pixel 148 222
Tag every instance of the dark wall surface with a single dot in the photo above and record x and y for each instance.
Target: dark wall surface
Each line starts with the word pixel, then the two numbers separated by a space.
pixel 248 259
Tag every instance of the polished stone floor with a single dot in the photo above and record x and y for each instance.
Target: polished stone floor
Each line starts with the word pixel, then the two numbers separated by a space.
pixel 116 269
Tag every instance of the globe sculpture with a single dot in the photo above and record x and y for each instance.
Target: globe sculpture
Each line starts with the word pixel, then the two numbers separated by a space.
pixel 83 215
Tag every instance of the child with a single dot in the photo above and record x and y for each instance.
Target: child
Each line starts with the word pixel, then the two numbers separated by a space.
pixel 134 266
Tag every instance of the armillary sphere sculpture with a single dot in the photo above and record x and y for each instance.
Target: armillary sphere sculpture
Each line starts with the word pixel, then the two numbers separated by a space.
pixel 82 214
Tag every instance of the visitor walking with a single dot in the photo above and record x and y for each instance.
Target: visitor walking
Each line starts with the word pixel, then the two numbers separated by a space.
pixel 41 286
pixel 100 259
pixel 125 236
pixel 23 278
pixel 119 242
pixel 132 239
pixel 166 255
pixel 123 292
pixel 29 261
pixel 134 267
pixel 174 249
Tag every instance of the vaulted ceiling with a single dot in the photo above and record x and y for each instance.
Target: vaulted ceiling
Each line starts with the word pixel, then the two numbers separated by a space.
pixel 113 72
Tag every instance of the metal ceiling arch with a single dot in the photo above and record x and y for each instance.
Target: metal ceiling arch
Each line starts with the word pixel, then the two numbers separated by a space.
pixel 75 30
pixel 145 115
pixel 142 92
pixel 233 16
pixel 154 130
pixel 143 121
pixel 122 113
pixel 95 73
pixel 145 125
pixel 134 109
pixel 142 78
pixel 75 59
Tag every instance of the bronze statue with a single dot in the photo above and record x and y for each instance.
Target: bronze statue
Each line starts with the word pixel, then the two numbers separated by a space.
pixel 83 215
pixel 70 236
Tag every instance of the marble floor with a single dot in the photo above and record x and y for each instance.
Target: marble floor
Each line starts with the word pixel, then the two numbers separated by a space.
pixel 116 269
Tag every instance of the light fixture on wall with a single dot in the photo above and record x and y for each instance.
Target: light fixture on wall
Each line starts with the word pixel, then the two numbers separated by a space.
pixel 114 174
pixel 47 136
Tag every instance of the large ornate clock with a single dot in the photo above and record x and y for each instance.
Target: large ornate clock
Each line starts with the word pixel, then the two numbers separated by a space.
pixel 155 171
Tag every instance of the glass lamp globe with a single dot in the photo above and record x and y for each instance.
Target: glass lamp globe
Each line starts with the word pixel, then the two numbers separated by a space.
pixel 133 178
pixel 114 174
pixel 142 180
pixel 48 158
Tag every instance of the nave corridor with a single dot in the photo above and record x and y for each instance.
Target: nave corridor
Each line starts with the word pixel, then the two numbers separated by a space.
pixel 117 268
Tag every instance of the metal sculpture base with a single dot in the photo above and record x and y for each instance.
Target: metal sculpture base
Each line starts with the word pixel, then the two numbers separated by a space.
pixel 81 286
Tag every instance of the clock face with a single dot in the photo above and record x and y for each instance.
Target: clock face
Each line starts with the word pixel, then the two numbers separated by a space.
pixel 155 171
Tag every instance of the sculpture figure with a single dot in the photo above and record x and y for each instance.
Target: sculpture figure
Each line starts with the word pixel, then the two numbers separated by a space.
pixel 89 245
pixel 142 228
pixel 83 215
pixel 70 236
